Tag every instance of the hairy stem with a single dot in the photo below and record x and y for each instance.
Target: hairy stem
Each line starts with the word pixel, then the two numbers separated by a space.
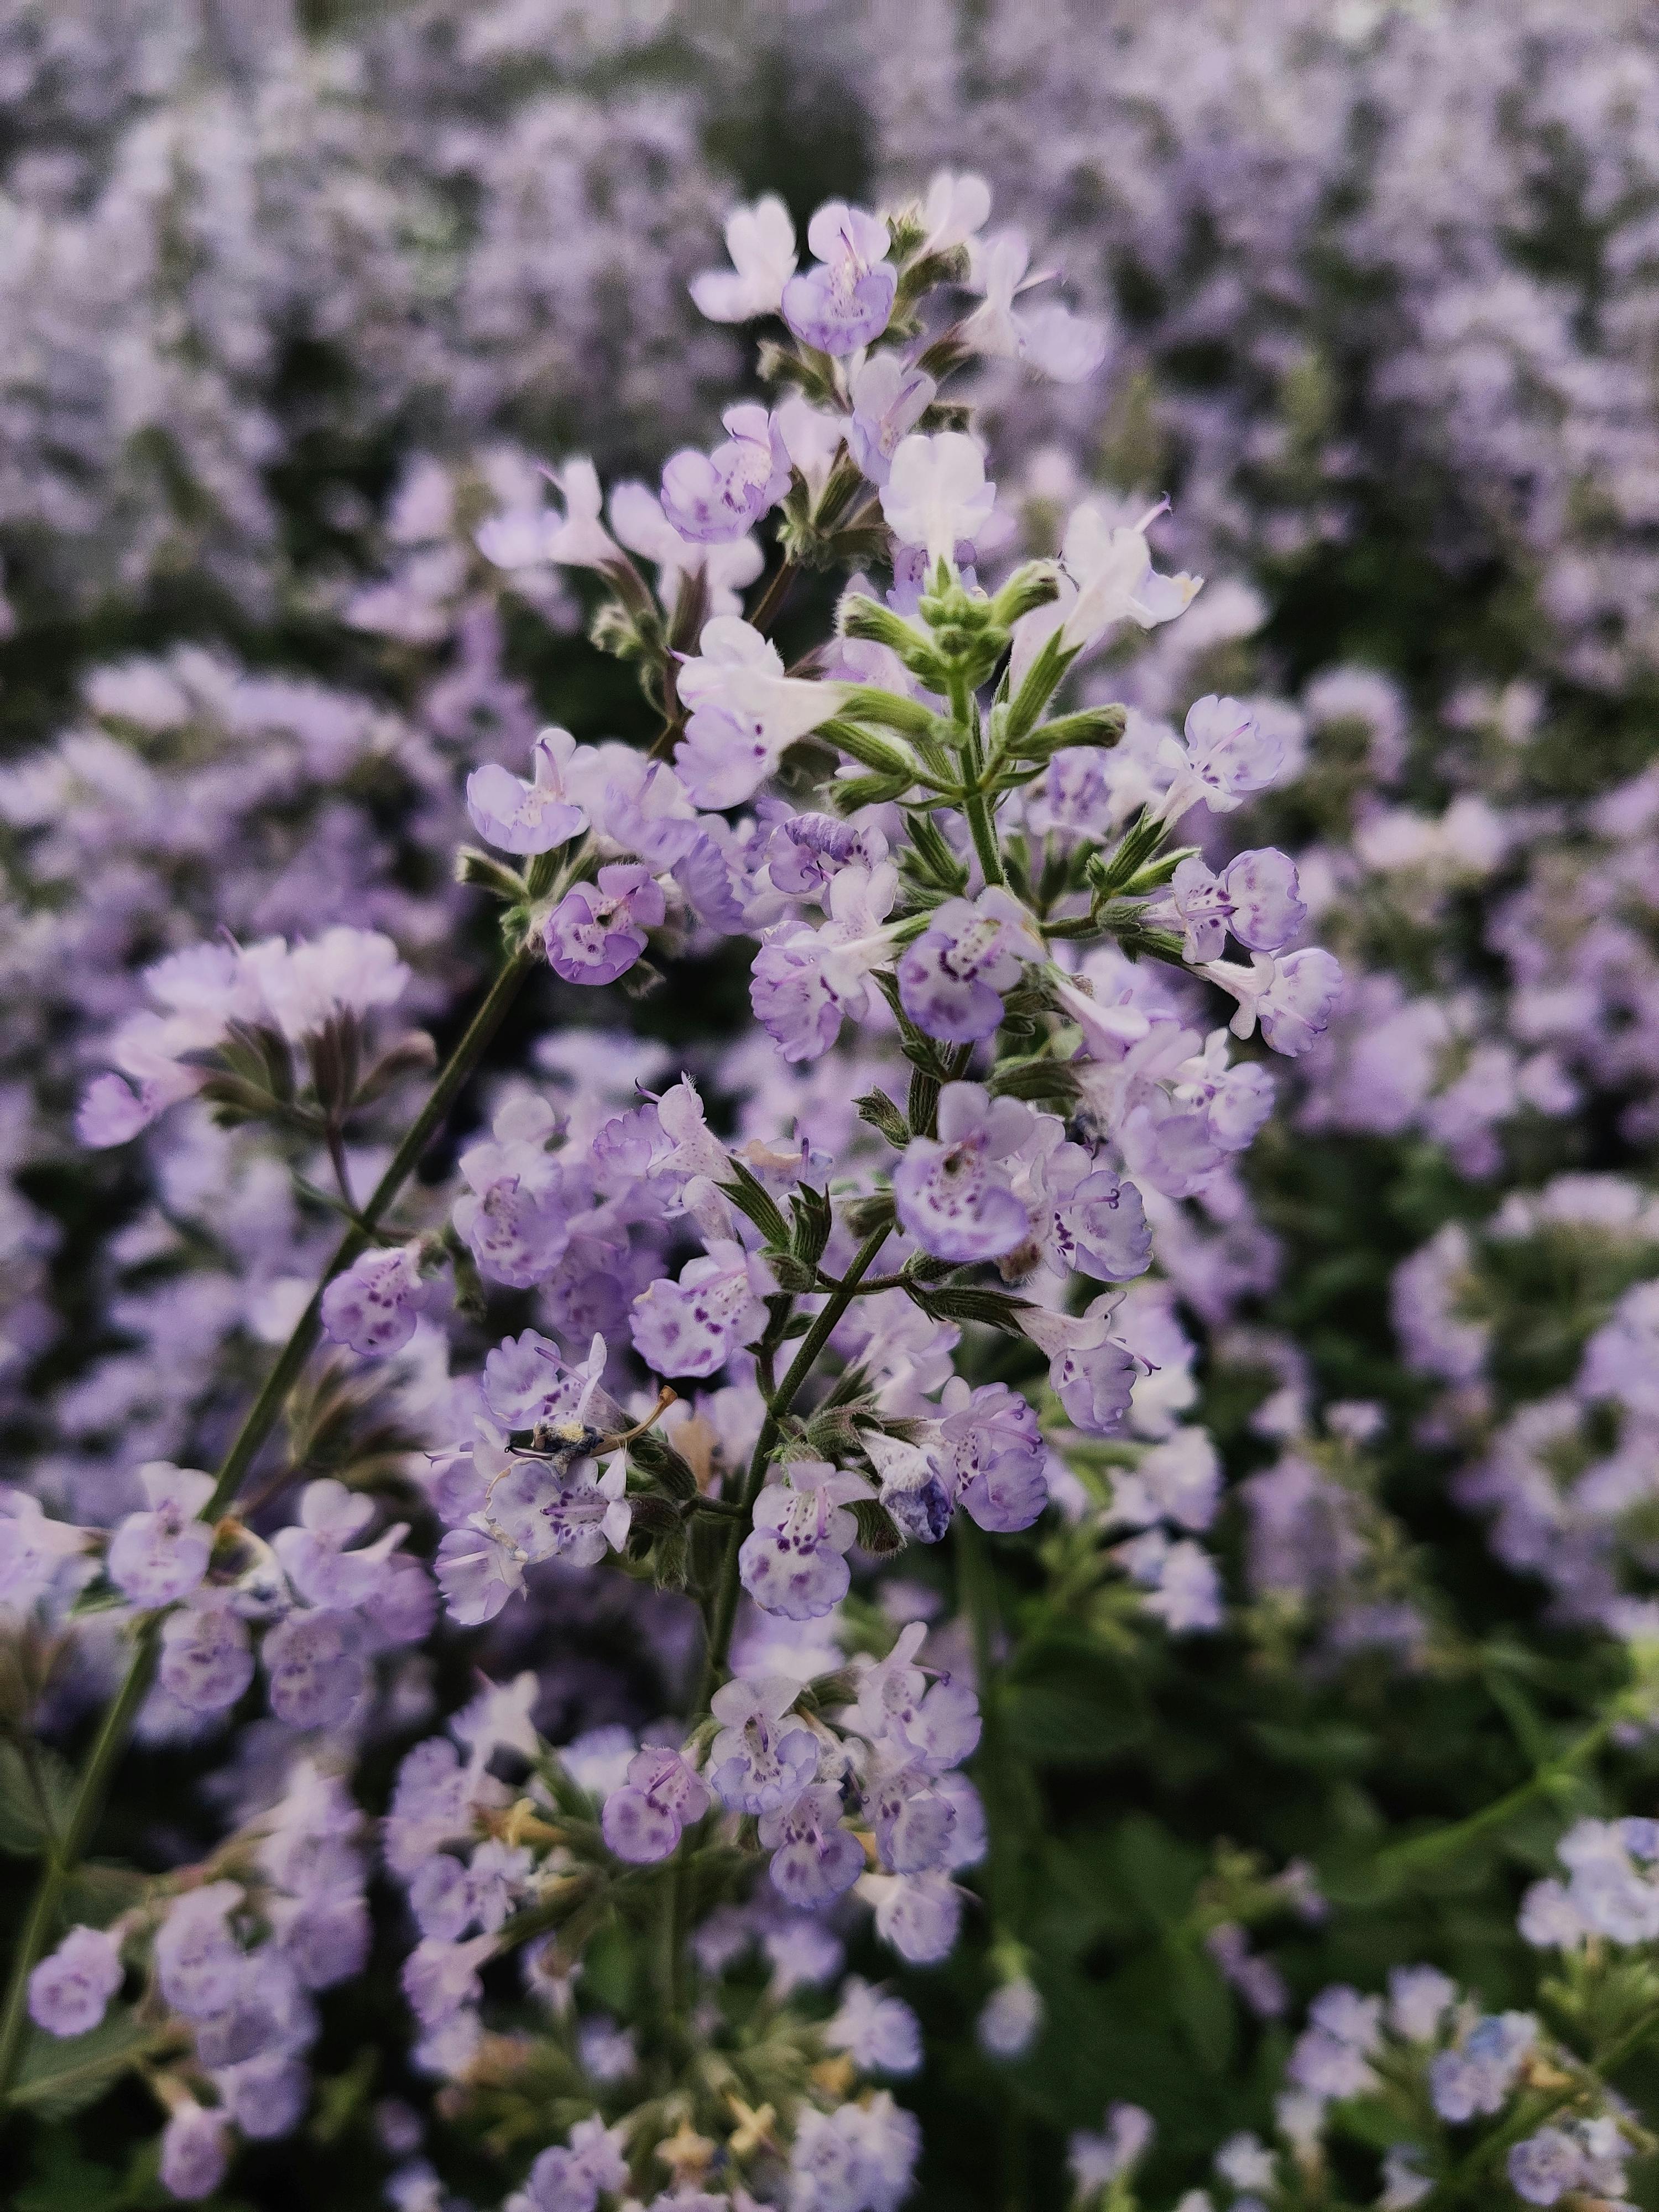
pixel 260 1420
pixel 725 1601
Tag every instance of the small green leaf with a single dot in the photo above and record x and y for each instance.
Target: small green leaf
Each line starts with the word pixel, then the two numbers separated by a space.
pixel 60 2075
pixel 23 1824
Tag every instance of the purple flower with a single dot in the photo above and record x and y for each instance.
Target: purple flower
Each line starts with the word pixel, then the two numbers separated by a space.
pixel 198 1960
pixel 1545 2167
pixel 597 931
pixel 744 713
pixel 207 1660
pixel 160 1556
pixel 889 397
pixel 314 1554
pixel 844 302
pixel 951 977
pixel 758 1762
pixel 571 1510
pixel 516 1213
pixel 645 1818
pixel 880 2032
pixel 814 1859
pixel 761 240
pixel 1064 346
pixel 711 498
pixel 516 816
pixel 1009 2020
pixel 526 1380
pixel 33 1548
pixel 806 852
pixel 951 1196
pixel 997 1455
pixel 1292 998
pixel 1092 1375
pixel 1095 1219
pixel 71 1989
pixel 1256 897
pixel 111 1112
pixel 1228 754
pixel 441 1979
pixel 195 2150
pixel 793 1561
pixel 912 1821
pixel 694 1326
pixel 1477 2076
pixel 919 1915
pixel 315 1667
pixel 372 1308
pixel 803 980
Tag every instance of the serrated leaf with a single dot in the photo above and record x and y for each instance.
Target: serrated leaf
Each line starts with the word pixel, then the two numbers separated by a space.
pixel 59 2077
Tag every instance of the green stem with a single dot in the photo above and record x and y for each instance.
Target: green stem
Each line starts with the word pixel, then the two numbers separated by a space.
pixel 725 1599
pixel 985 837
pixel 260 1420
pixel 1418 1851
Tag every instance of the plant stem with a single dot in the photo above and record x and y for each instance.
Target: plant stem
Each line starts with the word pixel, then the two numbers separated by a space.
pixel 1416 1851
pixel 770 603
pixel 260 1420
pixel 725 1599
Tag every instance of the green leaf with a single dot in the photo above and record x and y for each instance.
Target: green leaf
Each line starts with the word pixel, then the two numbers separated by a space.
pixel 23 1830
pixel 813 1220
pixel 750 1196
pixel 59 2076
pixel 878 1110
pixel 967 1302
pixel 1057 1727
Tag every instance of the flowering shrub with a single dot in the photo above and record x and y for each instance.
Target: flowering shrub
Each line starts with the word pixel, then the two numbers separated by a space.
pixel 832 1314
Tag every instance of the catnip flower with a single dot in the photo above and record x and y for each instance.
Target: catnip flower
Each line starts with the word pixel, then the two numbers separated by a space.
pixel 889 398
pixel 1256 897
pixel 694 1326
pixel 844 300
pixel 516 816
pixel 763 1758
pixel 793 1560
pixel 1068 347
pixel 598 930
pixel 576 540
pixel 744 713
pixel 71 1989
pixel 951 977
pixel 1091 1373
pixel 761 240
pixel 952 1192
pixel 372 1307
pixel 936 496
pixel 644 1819
pixel 713 498
pixel 1228 754
pixel 159 1555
